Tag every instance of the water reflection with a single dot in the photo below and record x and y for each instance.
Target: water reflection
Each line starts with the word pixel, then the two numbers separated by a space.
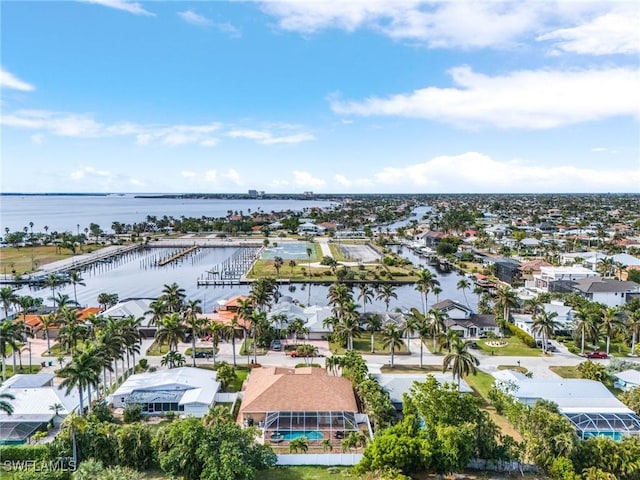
pixel 133 276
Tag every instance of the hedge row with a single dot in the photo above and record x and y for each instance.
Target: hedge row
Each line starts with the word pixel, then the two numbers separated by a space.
pixel 527 339
pixel 24 452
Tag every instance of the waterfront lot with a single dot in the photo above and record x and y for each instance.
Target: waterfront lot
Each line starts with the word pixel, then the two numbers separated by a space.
pixel 18 259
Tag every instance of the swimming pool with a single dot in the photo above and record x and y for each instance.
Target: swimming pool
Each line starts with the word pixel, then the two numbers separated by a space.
pixel 310 434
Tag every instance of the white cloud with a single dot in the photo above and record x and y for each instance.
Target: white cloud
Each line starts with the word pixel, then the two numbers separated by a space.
pixel 611 33
pixel 211 176
pixel 37 138
pixel 305 179
pixel 89 172
pixel 476 172
pixel 9 80
pixel 130 7
pixel 530 99
pixel 268 138
pixel 188 174
pixel 137 183
pixel 342 180
pixel 233 176
pixel 193 18
pixel 229 29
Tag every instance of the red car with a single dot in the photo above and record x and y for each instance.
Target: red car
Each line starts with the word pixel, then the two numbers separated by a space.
pixel 597 355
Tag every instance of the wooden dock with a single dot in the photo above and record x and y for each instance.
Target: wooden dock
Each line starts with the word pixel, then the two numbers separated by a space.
pixel 176 256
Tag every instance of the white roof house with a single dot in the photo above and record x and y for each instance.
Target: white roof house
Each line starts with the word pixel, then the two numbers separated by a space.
pixel 588 404
pixel 627 379
pixel 34 394
pixel 135 307
pixel 187 390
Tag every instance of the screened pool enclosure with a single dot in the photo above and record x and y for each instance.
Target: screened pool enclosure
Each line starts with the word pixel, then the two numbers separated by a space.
pixel 330 424
pixel 612 425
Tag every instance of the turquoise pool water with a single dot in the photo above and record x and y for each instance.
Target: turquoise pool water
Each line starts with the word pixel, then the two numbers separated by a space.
pixel 310 434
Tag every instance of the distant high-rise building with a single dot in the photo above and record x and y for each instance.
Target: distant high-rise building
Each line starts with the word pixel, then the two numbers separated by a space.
pixel 253 193
pixel 308 194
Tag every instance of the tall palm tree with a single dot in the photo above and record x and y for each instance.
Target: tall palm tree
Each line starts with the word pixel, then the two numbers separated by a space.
pixel 10 339
pixel 5 406
pixel 545 324
pixel 464 285
pixel 174 296
pixel 436 321
pixel 190 316
pixel 83 372
pixel 62 301
pixel 365 295
pixel 610 322
pixel 633 325
pixel 373 322
pixel 72 331
pixel 338 296
pixel 386 292
pixel 422 328
pixel 391 339
pixel 506 299
pixel 425 283
pixel 584 324
pixel 171 331
pixel 408 328
pixel 76 279
pixel 218 332
pixel 48 321
pixel 157 309
pixel 8 298
pixel 53 281
pixel 460 360
pixel 233 328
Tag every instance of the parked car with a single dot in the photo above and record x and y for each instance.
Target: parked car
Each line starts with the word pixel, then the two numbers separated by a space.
pixel 473 345
pixel 597 354
pixel 276 345
pixel 203 354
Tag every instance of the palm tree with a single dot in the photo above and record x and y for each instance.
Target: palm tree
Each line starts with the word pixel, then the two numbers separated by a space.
pixel 82 373
pixel 386 292
pixel 633 325
pixel 408 328
pixel 232 333
pixel 299 444
pixel 47 322
pixel 464 285
pixel 72 330
pixel 173 359
pixel 460 360
pixel 277 265
pixel 544 324
pixel 5 406
pixel 76 279
pixel 365 295
pixel 506 299
pixel 586 324
pixel 174 296
pixel 53 281
pixel 338 296
pixel 425 283
pixel 391 339
pixel 171 331
pixel 422 328
pixel 191 320
pixel 157 309
pixel 8 297
pixel 373 322
pixel 10 338
pixel 436 319
pixel 349 326
pixel 611 322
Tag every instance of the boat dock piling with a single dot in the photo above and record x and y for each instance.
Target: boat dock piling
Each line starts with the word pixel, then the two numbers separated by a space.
pixel 233 269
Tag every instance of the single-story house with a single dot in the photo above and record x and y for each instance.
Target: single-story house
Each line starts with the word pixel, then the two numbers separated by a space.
pixel 311 228
pixel 136 308
pixel 588 405
pixel 34 394
pixel 289 402
pixel 627 379
pixel 185 390
pixel 313 316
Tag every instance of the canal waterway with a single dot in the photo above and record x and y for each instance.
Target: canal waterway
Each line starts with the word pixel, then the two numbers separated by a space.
pixel 136 276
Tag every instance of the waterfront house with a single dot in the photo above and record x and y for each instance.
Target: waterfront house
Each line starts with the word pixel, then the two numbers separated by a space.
pixel 590 407
pixel 529 269
pixel 33 396
pixel 555 279
pixel 136 308
pixel 461 318
pixel 287 403
pixel 608 291
pixel 185 390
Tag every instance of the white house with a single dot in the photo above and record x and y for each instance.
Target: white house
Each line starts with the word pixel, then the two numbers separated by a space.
pixel 34 394
pixel 313 317
pixel 627 379
pixel 186 390
pixel 607 291
pixel 136 308
pixel 468 324
pixel 548 277
pixel 311 228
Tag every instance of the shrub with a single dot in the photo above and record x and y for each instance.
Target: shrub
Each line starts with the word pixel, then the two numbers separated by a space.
pixel 101 412
pixel 132 413
pixel 24 452
pixel 143 363
pixel 527 339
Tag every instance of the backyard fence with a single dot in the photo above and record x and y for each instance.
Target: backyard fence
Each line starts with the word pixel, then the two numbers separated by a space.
pixel 325 459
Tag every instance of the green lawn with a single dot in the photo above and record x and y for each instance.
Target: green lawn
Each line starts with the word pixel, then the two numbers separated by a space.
pixel 247 348
pixel 411 369
pixel 565 372
pixel 306 473
pixel 156 350
pixel 514 348
pixel 481 382
pixel 25 369
pixel 362 344
pixel 616 349
pixel 517 368
pixel 242 372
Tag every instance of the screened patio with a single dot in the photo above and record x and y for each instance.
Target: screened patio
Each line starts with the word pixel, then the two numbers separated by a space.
pixel 315 426
pixel 612 425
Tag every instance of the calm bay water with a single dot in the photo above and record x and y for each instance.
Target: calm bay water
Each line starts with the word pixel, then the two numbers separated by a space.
pixel 64 212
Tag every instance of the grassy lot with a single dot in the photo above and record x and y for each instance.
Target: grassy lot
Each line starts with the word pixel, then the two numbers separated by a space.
pixel 517 368
pixel 247 348
pixel 565 372
pixel 25 369
pixel 19 258
pixel 514 348
pixel 481 382
pixel 305 473
pixel 363 345
pixel 156 350
pixel 616 349
pixel 411 369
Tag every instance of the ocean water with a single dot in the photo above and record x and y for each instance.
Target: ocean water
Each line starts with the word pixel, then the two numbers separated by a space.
pixel 64 212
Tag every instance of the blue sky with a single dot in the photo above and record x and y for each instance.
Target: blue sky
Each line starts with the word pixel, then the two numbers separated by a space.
pixel 342 96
